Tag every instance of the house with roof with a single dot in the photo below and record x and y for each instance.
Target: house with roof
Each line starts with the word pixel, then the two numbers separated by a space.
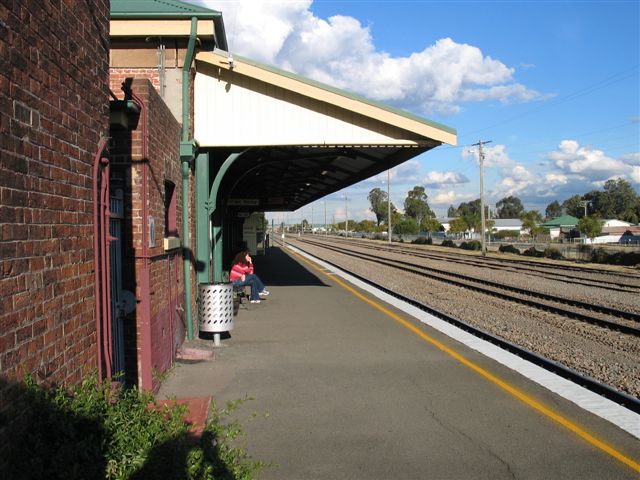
pixel 507 225
pixel 560 226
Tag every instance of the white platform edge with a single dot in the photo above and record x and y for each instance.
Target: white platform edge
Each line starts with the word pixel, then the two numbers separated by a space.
pixel 586 399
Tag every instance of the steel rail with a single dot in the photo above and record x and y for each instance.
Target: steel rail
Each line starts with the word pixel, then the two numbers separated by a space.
pixel 438 275
pixel 585 381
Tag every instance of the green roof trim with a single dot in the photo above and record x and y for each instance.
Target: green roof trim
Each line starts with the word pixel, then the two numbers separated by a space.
pixel 159 9
pixel 167 10
pixel 564 221
pixel 344 93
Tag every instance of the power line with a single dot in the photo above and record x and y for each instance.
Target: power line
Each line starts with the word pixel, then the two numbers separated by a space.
pixel 618 77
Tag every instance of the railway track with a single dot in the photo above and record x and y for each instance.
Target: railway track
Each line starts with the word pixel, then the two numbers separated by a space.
pixel 632 285
pixel 602 316
pixel 586 381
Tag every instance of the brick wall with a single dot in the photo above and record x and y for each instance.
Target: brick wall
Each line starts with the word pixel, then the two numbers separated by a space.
pixel 53 111
pixel 166 329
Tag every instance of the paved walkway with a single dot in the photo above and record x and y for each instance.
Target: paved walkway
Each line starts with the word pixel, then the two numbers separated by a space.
pixel 344 391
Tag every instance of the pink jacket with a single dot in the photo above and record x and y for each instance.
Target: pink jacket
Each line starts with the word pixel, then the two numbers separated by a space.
pixel 240 269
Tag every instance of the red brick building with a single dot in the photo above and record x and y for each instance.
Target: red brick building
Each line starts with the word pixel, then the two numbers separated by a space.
pixel 91 191
pixel 54 111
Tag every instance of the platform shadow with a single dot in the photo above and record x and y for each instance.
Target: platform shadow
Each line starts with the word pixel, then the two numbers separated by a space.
pixel 276 268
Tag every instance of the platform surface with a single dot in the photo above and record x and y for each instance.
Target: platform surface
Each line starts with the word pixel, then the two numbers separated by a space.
pixel 342 390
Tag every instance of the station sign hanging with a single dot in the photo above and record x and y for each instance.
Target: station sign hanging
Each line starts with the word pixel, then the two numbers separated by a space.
pixel 243 202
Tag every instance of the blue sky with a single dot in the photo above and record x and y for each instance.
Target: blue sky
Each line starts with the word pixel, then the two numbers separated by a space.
pixel 555 86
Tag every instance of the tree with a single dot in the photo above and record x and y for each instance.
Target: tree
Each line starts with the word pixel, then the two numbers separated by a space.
pixel 406 226
pixel 430 225
pixel 470 208
pixel 622 200
pixel 416 206
pixel 532 221
pixel 367 226
pixel 553 210
pixel 379 205
pixel 591 226
pixel 573 206
pixel 458 225
pixel 509 207
pixel 452 212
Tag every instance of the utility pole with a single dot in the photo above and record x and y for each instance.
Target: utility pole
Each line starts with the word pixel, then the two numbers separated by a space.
pixel 482 213
pixel 346 217
pixel 389 206
pixel 585 203
pixel 325 218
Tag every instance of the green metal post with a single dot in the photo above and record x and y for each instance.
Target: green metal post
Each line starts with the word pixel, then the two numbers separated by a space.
pixel 217 215
pixel 203 219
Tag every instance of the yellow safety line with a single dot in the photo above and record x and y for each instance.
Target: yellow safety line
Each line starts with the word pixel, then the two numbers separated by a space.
pixel 523 397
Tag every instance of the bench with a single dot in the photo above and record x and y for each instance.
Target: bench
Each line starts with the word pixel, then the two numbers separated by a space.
pixel 240 298
pixel 240 295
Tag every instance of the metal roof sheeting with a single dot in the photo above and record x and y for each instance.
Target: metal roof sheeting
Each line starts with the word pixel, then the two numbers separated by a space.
pixel 159 9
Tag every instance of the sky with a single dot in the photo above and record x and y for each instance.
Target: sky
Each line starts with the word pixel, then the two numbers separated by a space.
pixel 554 86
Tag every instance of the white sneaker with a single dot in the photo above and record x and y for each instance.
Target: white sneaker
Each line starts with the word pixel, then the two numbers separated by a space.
pixel 264 293
pixel 255 301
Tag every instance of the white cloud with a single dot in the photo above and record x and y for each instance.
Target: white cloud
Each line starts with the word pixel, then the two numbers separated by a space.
pixel 591 164
pixel 340 51
pixel 555 179
pixel 434 179
pixel 405 173
pixel 444 198
pixel 631 158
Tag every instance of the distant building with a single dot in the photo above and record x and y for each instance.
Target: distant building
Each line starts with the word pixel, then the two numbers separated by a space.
pixel 445 222
pixel 507 224
pixel 561 225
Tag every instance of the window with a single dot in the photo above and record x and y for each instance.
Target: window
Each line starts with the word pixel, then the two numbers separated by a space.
pixel 170 210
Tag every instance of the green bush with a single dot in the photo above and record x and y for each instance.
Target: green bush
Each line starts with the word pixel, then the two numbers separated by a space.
pixel 98 432
pixel 448 243
pixel 625 258
pixel 532 252
pixel 553 253
pixel 423 241
pixel 502 234
pixel 600 255
pixel 471 245
pixel 508 249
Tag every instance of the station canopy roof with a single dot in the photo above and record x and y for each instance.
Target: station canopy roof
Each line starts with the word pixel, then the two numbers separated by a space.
pixel 300 140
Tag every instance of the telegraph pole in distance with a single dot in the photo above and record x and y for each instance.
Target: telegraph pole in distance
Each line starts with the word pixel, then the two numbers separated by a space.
pixel 346 216
pixel 389 206
pixel 482 215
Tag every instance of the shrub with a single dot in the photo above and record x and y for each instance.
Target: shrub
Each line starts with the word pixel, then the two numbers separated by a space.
pixel 96 431
pixel 506 234
pixel 448 243
pixel 472 245
pixel 625 258
pixel 508 249
pixel 532 252
pixel 423 241
pixel 600 255
pixel 553 253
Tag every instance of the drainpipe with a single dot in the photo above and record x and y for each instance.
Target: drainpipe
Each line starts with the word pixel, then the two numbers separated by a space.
pixel 98 284
pixel 146 367
pixel 187 154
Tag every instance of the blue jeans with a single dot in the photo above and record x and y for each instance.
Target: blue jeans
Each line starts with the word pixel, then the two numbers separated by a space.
pixel 256 285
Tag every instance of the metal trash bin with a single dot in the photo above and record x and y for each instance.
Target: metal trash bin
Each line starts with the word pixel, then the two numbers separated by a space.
pixel 216 307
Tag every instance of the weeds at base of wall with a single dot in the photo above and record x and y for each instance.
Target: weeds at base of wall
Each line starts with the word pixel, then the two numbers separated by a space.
pixel 95 432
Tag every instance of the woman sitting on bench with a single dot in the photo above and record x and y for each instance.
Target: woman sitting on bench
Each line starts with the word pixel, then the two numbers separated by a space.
pixel 242 275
